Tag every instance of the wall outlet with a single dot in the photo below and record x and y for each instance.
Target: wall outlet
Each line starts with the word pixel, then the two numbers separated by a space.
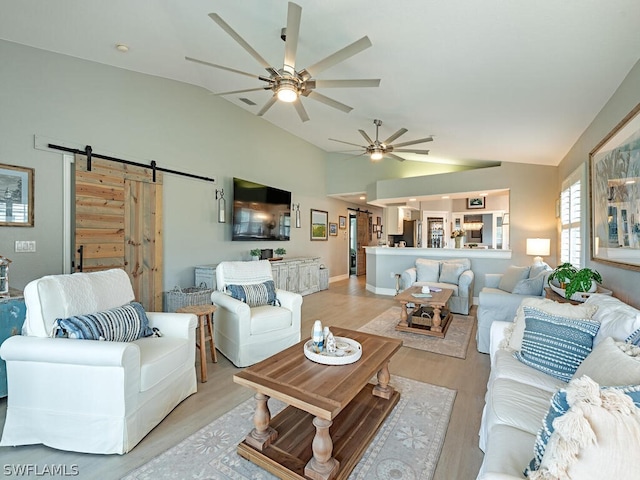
pixel 392 275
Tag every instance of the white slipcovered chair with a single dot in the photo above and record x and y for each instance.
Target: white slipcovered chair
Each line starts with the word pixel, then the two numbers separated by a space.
pixel 247 335
pixel 86 395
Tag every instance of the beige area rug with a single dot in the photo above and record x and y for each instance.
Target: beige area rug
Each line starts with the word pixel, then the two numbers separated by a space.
pixel 406 447
pixel 454 344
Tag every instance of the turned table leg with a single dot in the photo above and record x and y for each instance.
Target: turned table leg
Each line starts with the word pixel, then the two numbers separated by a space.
pixel 437 321
pixel 263 434
pixel 322 465
pixel 383 389
pixel 404 315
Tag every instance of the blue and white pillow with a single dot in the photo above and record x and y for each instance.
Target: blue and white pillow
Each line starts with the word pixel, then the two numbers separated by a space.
pixel 121 324
pixel 554 344
pixel 255 294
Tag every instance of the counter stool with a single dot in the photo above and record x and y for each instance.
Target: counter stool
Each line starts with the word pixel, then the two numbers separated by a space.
pixel 205 317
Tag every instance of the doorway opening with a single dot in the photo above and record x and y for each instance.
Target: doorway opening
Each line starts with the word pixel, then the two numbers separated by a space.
pixel 353 243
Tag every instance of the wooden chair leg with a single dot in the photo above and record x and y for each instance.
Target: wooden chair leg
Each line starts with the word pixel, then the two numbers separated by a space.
pixel 212 344
pixel 203 350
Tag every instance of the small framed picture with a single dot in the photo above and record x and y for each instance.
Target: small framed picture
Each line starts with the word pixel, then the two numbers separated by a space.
pixel 16 190
pixel 342 222
pixel 333 229
pixel 475 202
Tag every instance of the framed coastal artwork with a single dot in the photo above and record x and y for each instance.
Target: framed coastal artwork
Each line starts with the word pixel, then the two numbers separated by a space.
pixel 342 222
pixel 614 170
pixel 16 196
pixel 319 224
pixel 333 229
pixel 475 202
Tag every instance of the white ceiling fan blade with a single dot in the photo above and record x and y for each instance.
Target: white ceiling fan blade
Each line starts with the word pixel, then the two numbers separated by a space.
pixel 293 30
pixel 267 106
pixel 345 83
pixel 243 90
pixel 233 34
pixel 329 101
pixel 409 150
pixel 366 137
pixel 400 132
pixel 413 142
pixel 229 69
pixel 302 113
pixel 396 157
pixel 339 56
pixel 348 143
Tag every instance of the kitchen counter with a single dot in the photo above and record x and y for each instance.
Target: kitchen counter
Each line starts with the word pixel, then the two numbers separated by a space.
pixel 384 263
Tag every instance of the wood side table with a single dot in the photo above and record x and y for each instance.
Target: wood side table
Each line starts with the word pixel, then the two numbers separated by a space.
pixel 205 318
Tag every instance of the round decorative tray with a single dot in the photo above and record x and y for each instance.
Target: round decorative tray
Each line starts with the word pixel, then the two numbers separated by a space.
pixel 347 351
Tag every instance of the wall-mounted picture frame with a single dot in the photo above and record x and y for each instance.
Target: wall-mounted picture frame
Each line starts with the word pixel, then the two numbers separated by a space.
pixel 342 222
pixel 333 229
pixel 615 195
pixel 319 224
pixel 16 196
pixel 475 202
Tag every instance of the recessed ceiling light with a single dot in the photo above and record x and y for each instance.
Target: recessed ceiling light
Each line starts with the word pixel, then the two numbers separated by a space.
pixel 362 197
pixel 445 196
pixel 413 199
pixel 483 194
pixel 121 47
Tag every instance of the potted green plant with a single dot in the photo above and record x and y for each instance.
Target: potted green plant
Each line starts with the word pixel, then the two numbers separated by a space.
pixel 255 253
pixel 571 281
pixel 280 251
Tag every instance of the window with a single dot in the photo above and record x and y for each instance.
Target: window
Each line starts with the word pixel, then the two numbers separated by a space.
pixel 571 250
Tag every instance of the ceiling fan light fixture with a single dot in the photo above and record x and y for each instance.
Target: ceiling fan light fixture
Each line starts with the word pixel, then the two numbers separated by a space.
pixel 287 92
pixel 376 155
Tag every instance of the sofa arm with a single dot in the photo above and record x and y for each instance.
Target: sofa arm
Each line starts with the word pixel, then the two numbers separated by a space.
pixel 69 351
pixel 408 278
pixel 465 284
pixel 497 335
pixel 176 325
pixel 289 300
pixel 229 303
pixel 492 280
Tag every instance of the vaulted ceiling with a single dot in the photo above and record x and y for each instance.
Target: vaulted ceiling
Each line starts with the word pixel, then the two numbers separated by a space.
pixel 491 80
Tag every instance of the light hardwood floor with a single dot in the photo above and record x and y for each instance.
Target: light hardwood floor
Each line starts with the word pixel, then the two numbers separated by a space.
pixel 346 303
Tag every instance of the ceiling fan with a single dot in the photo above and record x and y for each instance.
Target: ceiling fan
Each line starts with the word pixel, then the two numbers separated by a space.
pixel 377 149
pixel 287 83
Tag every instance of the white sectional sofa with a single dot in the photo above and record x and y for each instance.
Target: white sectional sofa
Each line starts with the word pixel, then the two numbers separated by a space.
pixel 598 437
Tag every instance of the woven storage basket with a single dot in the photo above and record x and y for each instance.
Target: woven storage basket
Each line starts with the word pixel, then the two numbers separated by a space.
pixel 183 297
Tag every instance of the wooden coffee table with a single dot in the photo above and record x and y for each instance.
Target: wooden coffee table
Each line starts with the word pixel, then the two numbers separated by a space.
pixel 333 413
pixel 437 326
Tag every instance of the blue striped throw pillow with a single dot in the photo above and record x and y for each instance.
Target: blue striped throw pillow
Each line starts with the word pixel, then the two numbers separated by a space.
pixel 555 345
pixel 121 324
pixel 255 294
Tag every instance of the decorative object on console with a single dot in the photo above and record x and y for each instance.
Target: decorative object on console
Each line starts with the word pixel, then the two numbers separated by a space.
pixel 255 253
pixel 280 251
pixel 573 283
pixel 222 205
pixel 4 276
pixel 538 247
pixel 296 208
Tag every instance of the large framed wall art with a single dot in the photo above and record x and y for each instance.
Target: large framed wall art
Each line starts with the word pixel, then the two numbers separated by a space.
pixel 16 196
pixel 319 224
pixel 614 167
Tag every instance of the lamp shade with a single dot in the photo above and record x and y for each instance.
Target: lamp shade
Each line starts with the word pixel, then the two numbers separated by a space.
pixel 539 247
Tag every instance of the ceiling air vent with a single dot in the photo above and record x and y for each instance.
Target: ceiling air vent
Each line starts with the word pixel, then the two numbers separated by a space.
pixel 247 101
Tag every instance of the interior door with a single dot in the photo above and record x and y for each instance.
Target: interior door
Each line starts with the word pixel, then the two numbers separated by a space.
pixel 362 235
pixel 118 220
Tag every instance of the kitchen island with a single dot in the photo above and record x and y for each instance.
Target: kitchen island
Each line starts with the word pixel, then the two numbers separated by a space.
pixel 384 263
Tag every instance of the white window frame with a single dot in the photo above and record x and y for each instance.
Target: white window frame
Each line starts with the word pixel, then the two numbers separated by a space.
pixel 572 219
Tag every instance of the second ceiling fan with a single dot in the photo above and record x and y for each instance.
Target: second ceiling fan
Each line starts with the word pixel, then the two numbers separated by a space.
pixel 287 83
pixel 377 149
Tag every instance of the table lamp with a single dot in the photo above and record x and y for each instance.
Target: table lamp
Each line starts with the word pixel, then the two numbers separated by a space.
pixel 540 247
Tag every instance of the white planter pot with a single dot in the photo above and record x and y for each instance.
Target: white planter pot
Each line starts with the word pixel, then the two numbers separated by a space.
pixel 578 296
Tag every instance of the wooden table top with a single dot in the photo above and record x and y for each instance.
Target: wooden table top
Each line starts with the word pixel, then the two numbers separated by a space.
pixel 441 297
pixel 197 309
pixel 321 390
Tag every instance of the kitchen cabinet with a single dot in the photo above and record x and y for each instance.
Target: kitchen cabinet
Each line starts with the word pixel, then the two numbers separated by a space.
pixel 393 218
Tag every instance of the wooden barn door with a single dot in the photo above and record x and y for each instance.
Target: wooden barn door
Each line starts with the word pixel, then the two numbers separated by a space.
pixel 118 224
pixel 362 236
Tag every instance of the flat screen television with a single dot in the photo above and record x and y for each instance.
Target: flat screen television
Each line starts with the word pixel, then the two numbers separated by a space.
pixel 260 212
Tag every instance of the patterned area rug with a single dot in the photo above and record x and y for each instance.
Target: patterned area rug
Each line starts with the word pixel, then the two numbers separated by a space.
pixel 406 447
pixel 454 344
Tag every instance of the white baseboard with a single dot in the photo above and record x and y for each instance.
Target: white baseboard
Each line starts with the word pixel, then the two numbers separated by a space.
pixel 381 291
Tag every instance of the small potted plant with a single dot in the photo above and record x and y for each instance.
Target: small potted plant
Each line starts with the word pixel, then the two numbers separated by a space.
pixel 256 253
pixel 280 252
pixel 571 282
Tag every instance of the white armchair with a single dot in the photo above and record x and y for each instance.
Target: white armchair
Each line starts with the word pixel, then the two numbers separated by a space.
pixel 247 335
pixel 92 396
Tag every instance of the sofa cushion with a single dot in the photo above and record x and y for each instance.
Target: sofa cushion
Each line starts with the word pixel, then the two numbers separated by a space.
pixel 507 449
pixel 255 294
pixel 530 286
pixel 538 268
pixel 512 276
pixel 159 357
pixel 450 272
pixel 618 320
pixel 589 432
pixel 123 324
pixel 505 365
pixel 266 319
pixel 427 270
pixel 612 363
pixel 554 344
pixel 513 339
